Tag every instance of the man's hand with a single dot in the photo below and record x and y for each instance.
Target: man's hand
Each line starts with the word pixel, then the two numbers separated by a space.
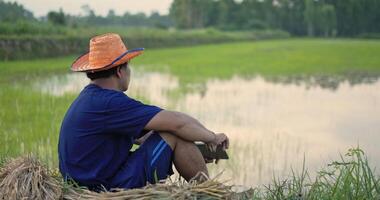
pixel 209 160
pixel 219 139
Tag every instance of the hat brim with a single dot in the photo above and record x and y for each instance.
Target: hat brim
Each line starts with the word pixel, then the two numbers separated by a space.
pixel 81 64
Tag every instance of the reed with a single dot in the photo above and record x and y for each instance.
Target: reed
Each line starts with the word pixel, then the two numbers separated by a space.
pixel 351 177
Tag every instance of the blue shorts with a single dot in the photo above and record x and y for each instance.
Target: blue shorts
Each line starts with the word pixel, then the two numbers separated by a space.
pixel 151 162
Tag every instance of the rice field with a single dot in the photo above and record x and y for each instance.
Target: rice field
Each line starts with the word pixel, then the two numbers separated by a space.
pixel 30 117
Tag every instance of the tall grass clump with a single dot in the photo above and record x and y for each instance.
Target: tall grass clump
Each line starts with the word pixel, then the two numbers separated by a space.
pixel 349 178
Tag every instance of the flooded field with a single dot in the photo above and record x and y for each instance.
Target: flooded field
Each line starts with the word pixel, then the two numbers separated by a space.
pixel 284 103
pixel 274 123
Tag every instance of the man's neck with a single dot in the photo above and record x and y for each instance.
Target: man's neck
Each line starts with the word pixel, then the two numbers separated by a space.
pixel 106 83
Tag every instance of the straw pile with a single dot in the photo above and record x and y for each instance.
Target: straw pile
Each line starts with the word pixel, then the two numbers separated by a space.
pixel 26 178
pixel 210 189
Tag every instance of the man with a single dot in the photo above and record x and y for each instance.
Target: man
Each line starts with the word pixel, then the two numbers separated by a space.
pixel 102 124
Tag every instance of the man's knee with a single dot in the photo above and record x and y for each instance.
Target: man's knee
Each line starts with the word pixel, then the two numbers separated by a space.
pixel 173 140
pixel 170 139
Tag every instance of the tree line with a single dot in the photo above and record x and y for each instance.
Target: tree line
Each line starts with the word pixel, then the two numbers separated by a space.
pixel 298 17
pixel 11 12
pixel 344 18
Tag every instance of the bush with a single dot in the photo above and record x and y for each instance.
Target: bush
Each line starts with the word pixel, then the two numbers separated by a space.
pixel 30 28
pixel 369 35
pixel 65 41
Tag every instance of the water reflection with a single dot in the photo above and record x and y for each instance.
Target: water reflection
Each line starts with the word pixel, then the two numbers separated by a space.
pixel 326 81
pixel 62 84
pixel 272 126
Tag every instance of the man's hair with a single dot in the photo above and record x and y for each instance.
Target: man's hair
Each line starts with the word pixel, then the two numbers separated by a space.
pixel 105 73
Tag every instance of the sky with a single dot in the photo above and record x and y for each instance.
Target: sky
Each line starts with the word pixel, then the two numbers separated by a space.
pixel 101 7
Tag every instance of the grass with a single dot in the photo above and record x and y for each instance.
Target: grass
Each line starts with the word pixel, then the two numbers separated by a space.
pixel 268 58
pixel 30 120
pixel 348 178
pixel 28 123
pixel 16 71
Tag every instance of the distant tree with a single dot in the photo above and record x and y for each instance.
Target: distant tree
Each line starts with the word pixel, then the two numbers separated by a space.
pixel 90 17
pixel 248 16
pixel 88 11
pixel 299 17
pixel 111 14
pixel 12 12
pixel 180 11
pixel 222 17
pixel 311 16
pixel 354 17
pixel 189 14
pixel 112 18
pixel 328 20
pixel 57 18
pixel 212 13
pixel 289 15
pixel 160 21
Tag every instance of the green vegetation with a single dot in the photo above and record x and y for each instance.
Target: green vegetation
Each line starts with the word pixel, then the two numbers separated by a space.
pixel 22 36
pixel 30 119
pixel 23 68
pixel 268 58
pixel 28 124
pixel 14 12
pixel 349 178
pixel 48 41
pixel 11 12
pixel 327 18
pixel 324 18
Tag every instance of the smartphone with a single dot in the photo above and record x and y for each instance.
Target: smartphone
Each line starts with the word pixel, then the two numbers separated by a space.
pixel 218 154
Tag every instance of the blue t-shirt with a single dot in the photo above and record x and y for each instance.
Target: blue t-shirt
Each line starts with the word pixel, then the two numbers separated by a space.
pixel 98 132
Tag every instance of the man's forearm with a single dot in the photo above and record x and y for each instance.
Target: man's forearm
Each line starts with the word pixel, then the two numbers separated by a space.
pixel 193 130
pixel 181 125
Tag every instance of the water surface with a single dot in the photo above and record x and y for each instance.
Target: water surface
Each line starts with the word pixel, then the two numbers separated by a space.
pixel 273 123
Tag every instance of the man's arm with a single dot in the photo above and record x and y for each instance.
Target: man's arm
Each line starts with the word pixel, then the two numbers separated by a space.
pixel 181 125
pixel 142 139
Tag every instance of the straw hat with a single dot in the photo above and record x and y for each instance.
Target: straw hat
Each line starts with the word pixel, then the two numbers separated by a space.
pixel 106 51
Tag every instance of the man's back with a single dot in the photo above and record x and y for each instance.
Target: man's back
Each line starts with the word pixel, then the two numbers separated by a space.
pixel 100 126
pixel 97 133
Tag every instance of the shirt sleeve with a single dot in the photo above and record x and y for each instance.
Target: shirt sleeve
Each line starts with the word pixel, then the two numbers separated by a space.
pixel 127 116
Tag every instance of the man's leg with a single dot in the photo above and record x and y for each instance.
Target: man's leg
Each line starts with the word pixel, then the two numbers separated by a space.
pixel 188 160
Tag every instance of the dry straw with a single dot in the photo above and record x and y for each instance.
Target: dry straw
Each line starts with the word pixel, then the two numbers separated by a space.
pixel 26 178
pixel 210 189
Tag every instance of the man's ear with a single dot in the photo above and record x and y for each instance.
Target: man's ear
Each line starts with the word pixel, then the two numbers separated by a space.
pixel 118 72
